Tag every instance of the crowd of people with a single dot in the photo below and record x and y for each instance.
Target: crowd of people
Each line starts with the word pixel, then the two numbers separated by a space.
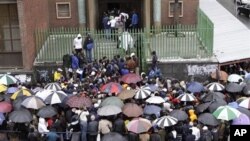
pixel 87 78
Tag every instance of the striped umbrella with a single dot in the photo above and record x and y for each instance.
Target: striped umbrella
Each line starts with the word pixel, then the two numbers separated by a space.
pixel 142 93
pixel 186 97
pixel 132 110
pixel 126 94
pixel 111 87
pixel 245 103
pixel 33 102
pixel 112 101
pixel 226 113
pixel 155 100
pixel 139 125
pixel 53 86
pixel 79 101
pixel 3 88
pixel 7 79
pixel 109 110
pixel 43 93
pixel 215 86
pixel 55 97
pixel 22 92
pixel 131 78
pixel 166 121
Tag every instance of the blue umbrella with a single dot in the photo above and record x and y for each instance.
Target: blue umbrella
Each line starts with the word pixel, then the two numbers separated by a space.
pixel 152 109
pixel 12 90
pixel 152 87
pixel 233 104
pixel 2 118
pixel 195 87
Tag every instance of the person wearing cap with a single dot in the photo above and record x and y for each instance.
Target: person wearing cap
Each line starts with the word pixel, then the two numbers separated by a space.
pixel 206 134
pixel 77 43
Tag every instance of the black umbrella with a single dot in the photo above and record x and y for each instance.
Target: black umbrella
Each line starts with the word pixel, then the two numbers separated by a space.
pixel 215 104
pixel 212 96
pixel 47 111
pixel 112 136
pixel 20 116
pixel 208 119
pixel 234 87
pixel 202 107
pixel 179 114
pixel 17 103
pixel 246 89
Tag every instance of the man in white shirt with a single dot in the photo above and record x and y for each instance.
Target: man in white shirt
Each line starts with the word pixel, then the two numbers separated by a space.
pixel 195 131
pixel 77 43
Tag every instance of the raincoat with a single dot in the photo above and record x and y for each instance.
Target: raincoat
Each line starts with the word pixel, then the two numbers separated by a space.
pixel 126 41
pixel 192 115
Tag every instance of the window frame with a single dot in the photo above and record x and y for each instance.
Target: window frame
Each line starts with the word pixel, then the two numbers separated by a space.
pixel 169 9
pixel 57 10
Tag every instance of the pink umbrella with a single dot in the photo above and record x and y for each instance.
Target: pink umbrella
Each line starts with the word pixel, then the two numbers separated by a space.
pixel 241 120
pixel 79 101
pixel 131 78
pixel 139 125
pixel 5 107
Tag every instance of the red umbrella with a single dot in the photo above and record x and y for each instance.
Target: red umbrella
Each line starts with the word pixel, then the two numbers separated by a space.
pixel 111 87
pixel 131 78
pixel 5 107
pixel 79 101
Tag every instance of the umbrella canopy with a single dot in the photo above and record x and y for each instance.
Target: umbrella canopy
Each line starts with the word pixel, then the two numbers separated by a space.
pixel 111 87
pixel 208 119
pixel 53 86
pixel 79 101
pixel 215 104
pixel 17 103
pixel 126 94
pixel 202 107
pixel 233 87
pixel 166 121
pixel 1 97
pixel 37 89
pixel 132 110
pixel 195 87
pixel 235 78
pixel 131 78
pixel 3 88
pixel 246 90
pixel 139 125
pixel 244 111
pixel 113 136
pixel 142 93
pixel 241 120
pixel 155 100
pixel 2 118
pixel 5 107
pixel 226 113
pixel 55 97
pixel 152 109
pixel 12 90
pixel 20 116
pixel 109 110
pixel 215 86
pixel 239 100
pixel 47 112
pixel 186 97
pixel 211 96
pixel 7 79
pixel 152 87
pixel 233 104
pixel 22 92
pixel 245 103
pixel 43 93
pixel 112 101
pixel 33 102
pixel 179 115
pixel 219 75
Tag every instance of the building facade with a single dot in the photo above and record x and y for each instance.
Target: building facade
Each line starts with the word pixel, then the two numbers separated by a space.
pixel 19 20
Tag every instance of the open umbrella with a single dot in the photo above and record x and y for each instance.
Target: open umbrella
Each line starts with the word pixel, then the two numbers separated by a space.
pixel 166 121
pixel 111 87
pixel 126 94
pixel 55 97
pixel 195 87
pixel 208 119
pixel 244 111
pixel 226 113
pixel 12 90
pixel 152 109
pixel 112 101
pixel 47 112
pixel 109 110
pixel 152 87
pixel 79 101
pixel 211 96
pixel 17 103
pixel 215 104
pixel 22 92
pixel 233 87
pixel 142 93
pixel 2 118
pixel 202 107
pixel 241 120
pixel 113 136
pixel 234 78
pixel 132 110
pixel 139 125
pixel 20 116
pixel 33 102
pixel 179 115
pixel 155 100
pixel 3 88
pixel 43 93
pixel 5 107
pixel 239 100
pixel 219 75
pixel 186 97
pixel 245 103
pixel 131 78
pixel 53 86
pixel 246 90
pixel 7 79
pixel 215 86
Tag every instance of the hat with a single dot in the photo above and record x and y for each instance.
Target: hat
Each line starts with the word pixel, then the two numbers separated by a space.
pixel 205 128
pixel 79 35
pixel 132 54
pixel 59 69
pixel 70 70
pixel 164 89
pixel 92 117
pixel 93 73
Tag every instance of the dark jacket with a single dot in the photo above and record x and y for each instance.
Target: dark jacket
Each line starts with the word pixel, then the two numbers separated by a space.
pixel 93 128
pixel 155 137
pixel 33 136
pixel 66 60
pixel 190 137
pixel 206 136
pixel 119 126
pixel 133 137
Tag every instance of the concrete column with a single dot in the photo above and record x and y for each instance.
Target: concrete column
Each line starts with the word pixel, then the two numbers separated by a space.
pixel 81 12
pixel 147 13
pixel 157 12
pixel 92 14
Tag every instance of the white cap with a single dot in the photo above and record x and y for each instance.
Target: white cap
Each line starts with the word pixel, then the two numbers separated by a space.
pixel 59 69
pixel 92 73
pixel 132 54
pixel 79 35
pixel 204 128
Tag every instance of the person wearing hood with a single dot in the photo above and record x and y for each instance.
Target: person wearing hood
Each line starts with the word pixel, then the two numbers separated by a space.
pixel 192 115
pixel 77 43
pixel 42 126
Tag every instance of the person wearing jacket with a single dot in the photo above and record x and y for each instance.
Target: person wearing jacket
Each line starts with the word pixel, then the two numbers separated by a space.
pixel 192 115
pixel 88 46
pixel 92 129
pixel 42 126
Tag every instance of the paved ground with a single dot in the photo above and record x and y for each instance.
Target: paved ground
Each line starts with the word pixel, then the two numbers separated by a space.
pixel 231 7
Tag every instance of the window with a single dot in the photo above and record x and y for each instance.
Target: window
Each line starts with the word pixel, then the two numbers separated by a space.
pixel 179 8
pixel 63 10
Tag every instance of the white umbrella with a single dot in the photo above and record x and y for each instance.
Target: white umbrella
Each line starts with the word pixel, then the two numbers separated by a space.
pixel 109 110
pixel 215 86
pixel 234 78
pixel 155 100
pixel 166 121
pixel 53 86
pixel 33 102
pixel 186 97
pixel 43 93
pixel 142 93
pixel 7 79
pixel 245 103
pixel 55 97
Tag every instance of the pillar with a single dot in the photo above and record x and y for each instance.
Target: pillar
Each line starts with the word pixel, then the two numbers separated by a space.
pixel 147 14
pixel 81 13
pixel 157 12
pixel 92 14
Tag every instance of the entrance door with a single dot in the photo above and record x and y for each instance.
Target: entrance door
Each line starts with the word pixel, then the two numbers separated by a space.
pixel 10 44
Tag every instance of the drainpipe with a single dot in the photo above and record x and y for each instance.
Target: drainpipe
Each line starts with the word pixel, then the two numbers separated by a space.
pixel 81 13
